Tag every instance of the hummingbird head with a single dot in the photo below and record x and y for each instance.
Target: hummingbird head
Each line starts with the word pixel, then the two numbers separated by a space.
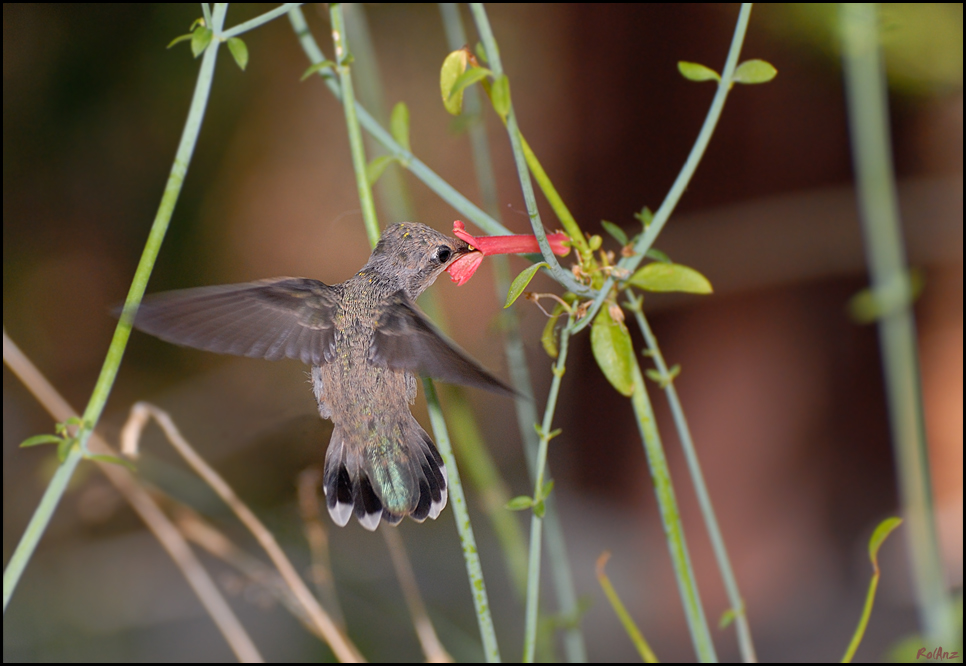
pixel 414 255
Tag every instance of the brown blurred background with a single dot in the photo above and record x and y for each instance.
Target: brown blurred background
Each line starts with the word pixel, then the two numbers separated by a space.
pixel 783 391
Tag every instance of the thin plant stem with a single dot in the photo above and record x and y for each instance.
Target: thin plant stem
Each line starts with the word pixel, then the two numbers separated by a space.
pixel 865 87
pixel 144 505
pixel 477 461
pixel 317 537
pixel 216 544
pixel 261 20
pixel 680 184
pixel 414 165
pixel 536 518
pixel 141 412
pixel 516 355
pixel 637 638
pixel 745 644
pixel 391 193
pixel 433 649
pixel 562 276
pixel 105 381
pixel 352 124
pixel 671 519
pixel 461 513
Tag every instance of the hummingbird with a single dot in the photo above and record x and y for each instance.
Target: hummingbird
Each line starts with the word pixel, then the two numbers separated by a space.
pixel 366 340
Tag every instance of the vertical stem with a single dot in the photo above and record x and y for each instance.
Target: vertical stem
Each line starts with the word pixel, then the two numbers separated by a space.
pixel 516 356
pixel 742 627
pixel 671 519
pixel 432 180
pixel 536 519
pixel 865 86
pixel 105 381
pixel 690 165
pixel 352 124
pixel 464 527
pixel 523 172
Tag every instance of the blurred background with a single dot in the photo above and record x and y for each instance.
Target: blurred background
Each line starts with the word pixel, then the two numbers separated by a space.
pixel 782 389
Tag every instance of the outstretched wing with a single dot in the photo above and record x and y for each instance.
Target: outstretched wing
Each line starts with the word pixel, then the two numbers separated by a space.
pixel 406 340
pixel 271 319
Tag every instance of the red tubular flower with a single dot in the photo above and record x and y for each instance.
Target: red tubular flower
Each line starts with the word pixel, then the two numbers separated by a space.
pixel 463 268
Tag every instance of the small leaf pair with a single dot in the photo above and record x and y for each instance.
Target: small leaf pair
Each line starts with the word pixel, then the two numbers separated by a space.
pixel 748 72
pixel 201 35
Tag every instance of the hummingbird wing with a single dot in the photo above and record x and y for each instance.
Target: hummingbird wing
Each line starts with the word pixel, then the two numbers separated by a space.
pixel 405 339
pixel 271 319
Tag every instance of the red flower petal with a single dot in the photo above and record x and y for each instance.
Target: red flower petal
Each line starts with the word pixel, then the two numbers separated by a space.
pixel 463 268
pixel 516 244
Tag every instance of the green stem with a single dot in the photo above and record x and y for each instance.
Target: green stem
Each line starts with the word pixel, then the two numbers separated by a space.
pixel 671 519
pixel 477 461
pixel 865 86
pixel 352 124
pixel 105 381
pixel 392 194
pixel 745 644
pixel 461 514
pixel 516 357
pixel 562 276
pixel 663 213
pixel 444 190
pixel 555 200
pixel 536 519
pixel 251 24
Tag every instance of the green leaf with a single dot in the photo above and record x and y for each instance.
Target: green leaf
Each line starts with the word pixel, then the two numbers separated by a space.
pixel 696 72
pixel 547 489
pixel 594 242
pixel 200 39
pixel 663 277
pixel 64 447
pixel 615 231
pixel 318 67
pixel 377 166
pixel 453 67
pixel 399 125
pixel 726 618
pixel 657 255
pixel 662 379
pixel 500 96
pixel 520 503
pixel 114 460
pixel 539 509
pixel 869 305
pixel 755 71
pixel 182 38
pixel 645 216
pixel 549 336
pixel 611 344
pixel 481 52
pixel 468 78
pixel 239 52
pixel 883 530
pixel 521 281
pixel 41 439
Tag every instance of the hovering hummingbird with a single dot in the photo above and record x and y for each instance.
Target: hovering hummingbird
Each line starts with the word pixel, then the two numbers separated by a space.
pixel 366 340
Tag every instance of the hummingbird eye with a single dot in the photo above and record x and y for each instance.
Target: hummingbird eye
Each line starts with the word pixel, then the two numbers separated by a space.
pixel 443 254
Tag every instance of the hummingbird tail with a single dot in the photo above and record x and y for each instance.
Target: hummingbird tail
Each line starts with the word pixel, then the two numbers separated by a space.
pixel 389 479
